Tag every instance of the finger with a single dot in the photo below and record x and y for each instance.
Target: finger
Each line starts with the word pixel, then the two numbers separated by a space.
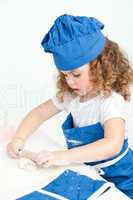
pixel 28 154
pixel 52 162
pixel 41 162
pixel 47 164
pixel 43 158
pixel 12 154
pixel 12 151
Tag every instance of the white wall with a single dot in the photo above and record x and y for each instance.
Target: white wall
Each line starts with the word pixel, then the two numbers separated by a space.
pixel 26 72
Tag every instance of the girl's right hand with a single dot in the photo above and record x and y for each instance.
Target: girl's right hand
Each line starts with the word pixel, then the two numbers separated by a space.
pixel 15 147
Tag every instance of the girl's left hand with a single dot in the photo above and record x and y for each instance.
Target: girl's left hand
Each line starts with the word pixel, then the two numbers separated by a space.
pixel 52 158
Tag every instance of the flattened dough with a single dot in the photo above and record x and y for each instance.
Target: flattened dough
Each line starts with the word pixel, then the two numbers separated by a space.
pixel 27 164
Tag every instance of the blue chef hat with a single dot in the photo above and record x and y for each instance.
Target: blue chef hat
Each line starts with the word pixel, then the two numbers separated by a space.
pixel 74 41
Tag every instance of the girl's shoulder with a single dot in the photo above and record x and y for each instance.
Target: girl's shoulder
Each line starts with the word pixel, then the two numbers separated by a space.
pixel 114 97
pixel 67 99
pixel 112 107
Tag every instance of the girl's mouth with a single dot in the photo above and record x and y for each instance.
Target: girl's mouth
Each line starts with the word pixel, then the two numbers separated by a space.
pixel 76 90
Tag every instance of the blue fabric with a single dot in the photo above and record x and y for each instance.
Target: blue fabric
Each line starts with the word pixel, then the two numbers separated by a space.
pixel 85 135
pixel 71 185
pixel 120 173
pixel 36 196
pixel 74 186
pixel 79 136
pixel 74 41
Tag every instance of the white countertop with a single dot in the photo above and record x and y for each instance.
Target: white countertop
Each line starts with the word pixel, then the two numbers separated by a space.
pixel 15 182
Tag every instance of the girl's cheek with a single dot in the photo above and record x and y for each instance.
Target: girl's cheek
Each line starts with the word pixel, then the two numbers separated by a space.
pixel 69 81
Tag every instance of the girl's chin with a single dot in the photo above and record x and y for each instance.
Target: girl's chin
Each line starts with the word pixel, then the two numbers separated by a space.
pixel 80 93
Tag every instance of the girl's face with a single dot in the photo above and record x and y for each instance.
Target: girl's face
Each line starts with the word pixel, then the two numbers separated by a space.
pixel 79 80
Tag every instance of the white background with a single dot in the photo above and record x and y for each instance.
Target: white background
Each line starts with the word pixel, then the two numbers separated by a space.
pixel 27 74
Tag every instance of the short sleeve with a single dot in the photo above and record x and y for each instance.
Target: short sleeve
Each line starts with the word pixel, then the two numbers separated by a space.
pixel 113 107
pixel 65 104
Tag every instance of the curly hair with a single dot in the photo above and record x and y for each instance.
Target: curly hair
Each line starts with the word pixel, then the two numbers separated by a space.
pixel 109 71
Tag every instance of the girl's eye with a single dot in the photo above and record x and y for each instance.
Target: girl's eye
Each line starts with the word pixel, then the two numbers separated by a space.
pixel 76 75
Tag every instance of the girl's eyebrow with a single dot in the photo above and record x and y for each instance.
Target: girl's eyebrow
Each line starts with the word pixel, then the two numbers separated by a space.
pixel 76 72
pixel 73 71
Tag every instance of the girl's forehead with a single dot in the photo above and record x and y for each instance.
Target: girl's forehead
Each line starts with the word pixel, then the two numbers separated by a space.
pixel 79 69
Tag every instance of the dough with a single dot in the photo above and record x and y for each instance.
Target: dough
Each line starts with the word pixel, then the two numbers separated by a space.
pixel 27 164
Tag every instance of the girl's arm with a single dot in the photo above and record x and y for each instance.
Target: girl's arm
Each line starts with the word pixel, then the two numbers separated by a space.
pixel 29 125
pixel 102 149
pixel 110 145
pixel 35 118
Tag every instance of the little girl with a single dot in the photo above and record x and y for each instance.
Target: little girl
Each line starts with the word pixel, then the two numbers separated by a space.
pixel 93 82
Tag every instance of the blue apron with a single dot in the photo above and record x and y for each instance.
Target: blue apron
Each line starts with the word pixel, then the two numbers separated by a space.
pixel 70 185
pixel 117 169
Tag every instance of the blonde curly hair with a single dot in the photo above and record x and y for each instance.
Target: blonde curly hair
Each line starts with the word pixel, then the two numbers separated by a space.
pixel 109 71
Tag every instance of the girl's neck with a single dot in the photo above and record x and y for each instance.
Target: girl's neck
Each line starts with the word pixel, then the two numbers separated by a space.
pixel 88 96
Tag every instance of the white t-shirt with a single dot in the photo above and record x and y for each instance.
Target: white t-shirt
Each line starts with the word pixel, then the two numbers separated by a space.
pixel 97 109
